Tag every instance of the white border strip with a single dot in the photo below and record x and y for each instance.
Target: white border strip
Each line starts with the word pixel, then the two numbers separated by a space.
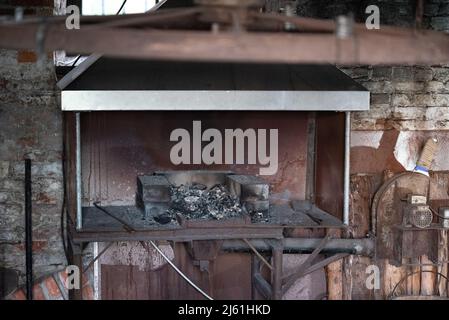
pixel 136 100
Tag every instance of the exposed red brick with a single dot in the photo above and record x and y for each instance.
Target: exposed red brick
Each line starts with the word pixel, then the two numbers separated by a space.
pixel 63 276
pixel 38 245
pixel 52 287
pixel 18 295
pixel 38 293
pixel 26 56
pixel 44 198
pixel 88 293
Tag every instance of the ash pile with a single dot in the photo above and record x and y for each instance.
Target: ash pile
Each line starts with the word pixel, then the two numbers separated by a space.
pixel 230 196
pixel 199 202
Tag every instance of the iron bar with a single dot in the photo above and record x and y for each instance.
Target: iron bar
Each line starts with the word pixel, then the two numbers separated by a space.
pixel 258 254
pixel 98 256
pixel 364 247
pixel 288 278
pixel 28 232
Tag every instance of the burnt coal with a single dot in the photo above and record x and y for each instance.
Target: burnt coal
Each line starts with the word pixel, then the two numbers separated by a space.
pixel 163 218
pixel 198 202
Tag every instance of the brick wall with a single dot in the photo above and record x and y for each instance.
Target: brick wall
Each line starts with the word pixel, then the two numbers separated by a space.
pixel 409 104
pixel 30 122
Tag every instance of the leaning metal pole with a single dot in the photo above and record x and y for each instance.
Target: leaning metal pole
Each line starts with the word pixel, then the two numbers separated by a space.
pixel 79 213
pixel 346 173
pixel 28 232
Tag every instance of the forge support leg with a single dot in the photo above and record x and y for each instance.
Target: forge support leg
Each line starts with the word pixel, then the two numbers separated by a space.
pixel 276 273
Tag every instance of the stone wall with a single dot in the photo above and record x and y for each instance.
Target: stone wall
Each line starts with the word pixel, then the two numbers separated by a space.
pixel 409 104
pixel 30 126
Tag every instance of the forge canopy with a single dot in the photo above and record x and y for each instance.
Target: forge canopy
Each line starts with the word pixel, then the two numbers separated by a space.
pixel 109 84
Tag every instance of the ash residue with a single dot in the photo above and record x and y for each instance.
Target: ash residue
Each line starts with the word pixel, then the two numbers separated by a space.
pixel 198 202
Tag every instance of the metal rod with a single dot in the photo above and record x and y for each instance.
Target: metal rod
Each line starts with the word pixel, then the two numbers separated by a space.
pixel 97 256
pixel 346 187
pixel 308 262
pixel 126 226
pixel 364 247
pixel 180 272
pixel 79 212
pixel 258 254
pixel 28 232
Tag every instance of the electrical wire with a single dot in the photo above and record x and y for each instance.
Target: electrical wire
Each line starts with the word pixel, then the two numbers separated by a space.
pixel 128 228
pixel 121 7
pixel 438 215
pixel 180 272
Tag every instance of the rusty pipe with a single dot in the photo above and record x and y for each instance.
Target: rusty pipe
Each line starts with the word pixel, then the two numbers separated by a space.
pixel 364 247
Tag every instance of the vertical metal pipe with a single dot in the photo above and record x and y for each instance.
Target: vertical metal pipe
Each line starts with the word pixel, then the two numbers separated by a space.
pixel 79 215
pixel 28 232
pixel 347 159
pixel 96 272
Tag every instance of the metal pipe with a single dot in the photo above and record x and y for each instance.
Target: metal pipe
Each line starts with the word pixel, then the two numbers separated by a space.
pixel 346 187
pixel 28 232
pixel 79 213
pixel 364 247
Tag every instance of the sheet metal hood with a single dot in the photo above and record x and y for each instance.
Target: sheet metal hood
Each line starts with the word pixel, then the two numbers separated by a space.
pixel 108 84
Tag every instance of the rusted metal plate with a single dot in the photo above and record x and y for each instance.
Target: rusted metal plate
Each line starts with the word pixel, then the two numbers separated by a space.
pixel 329 162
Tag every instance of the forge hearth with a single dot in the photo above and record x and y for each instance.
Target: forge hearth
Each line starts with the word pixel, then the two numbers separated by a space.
pixel 154 101
pixel 202 197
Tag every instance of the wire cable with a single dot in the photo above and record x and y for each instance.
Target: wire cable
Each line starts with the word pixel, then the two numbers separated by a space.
pixel 180 272
pixel 129 228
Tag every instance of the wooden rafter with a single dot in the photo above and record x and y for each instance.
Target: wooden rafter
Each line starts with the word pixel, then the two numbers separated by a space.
pixel 229 35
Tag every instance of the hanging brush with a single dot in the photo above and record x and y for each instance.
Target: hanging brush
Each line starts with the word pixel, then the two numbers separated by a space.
pixel 427 156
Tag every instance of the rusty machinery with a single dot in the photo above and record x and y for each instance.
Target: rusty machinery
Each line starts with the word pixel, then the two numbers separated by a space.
pixel 406 225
